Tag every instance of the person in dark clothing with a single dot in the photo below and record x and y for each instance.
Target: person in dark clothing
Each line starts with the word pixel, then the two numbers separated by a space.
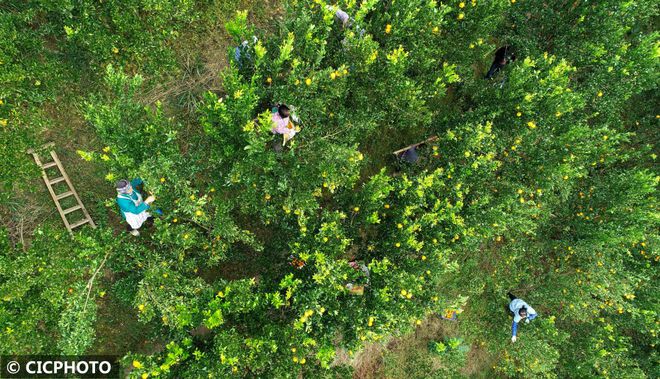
pixel 410 155
pixel 503 56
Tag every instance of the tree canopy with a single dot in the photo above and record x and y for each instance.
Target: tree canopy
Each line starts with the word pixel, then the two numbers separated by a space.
pixel 542 181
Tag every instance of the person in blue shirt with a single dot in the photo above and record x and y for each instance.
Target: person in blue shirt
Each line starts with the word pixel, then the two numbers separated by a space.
pixel 520 310
pixel 131 205
pixel 243 54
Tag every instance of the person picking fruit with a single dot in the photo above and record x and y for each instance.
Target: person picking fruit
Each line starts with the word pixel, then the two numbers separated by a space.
pixel 521 311
pixel 282 123
pixel 503 56
pixel 132 208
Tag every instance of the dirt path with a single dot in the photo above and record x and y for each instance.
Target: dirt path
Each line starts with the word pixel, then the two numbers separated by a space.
pixel 408 356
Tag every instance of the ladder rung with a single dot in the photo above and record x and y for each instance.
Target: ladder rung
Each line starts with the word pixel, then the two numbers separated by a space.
pixel 65 194
pixel 69 192
pixel 77 224
pixel 57 180
pixel 72 209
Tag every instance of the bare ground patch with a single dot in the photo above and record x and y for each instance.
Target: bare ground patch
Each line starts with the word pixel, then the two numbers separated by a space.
pixel 408 357
pixel 204 54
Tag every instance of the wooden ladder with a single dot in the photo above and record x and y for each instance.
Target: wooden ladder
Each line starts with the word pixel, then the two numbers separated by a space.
pixel 70 190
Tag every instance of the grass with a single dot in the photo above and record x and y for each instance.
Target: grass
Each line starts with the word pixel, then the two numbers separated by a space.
pixel 409 357
pixel 118 331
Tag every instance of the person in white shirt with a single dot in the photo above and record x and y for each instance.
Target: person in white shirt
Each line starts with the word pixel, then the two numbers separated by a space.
pixel 521 311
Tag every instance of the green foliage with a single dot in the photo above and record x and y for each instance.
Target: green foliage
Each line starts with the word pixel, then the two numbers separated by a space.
pixel 541 181
pixel 77 327
pixel 133 131
pixel 48 297
pixel 96 33
pixel 50 48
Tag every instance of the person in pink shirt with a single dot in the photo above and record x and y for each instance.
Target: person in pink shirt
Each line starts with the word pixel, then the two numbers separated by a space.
pixel 282 123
